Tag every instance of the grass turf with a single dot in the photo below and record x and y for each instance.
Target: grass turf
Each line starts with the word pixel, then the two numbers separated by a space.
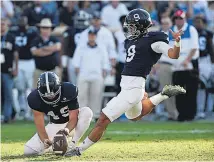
pixel 125 141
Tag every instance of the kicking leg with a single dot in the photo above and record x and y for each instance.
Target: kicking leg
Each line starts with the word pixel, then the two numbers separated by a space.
pixel 147 104
pixel 114 109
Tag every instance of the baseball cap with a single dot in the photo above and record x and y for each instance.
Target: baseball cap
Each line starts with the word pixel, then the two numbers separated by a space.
pixel 96 15
pixel 92 31
pixel 180 13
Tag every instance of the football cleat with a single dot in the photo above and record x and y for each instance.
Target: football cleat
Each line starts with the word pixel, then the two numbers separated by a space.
pixel 170 90
pixel 73 152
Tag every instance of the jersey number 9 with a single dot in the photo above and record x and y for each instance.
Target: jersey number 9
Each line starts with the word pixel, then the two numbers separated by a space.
pixel 130 53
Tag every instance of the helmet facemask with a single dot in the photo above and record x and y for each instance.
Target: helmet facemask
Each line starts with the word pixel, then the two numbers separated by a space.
pixel 51 98
pixel 130 31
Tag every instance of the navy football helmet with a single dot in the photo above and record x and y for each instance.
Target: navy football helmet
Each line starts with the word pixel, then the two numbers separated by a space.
pixel 136 23
pixel 82 20
pixel 49 88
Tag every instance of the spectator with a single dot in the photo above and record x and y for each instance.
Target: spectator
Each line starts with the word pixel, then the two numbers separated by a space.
pixel 70 39
pixel 67 13
pixel 85 6
pixel 24 81
pixel 205 63
pixel 104 36
pixel 121 59
pixel 45 49
pixel 91 67
pixel 151 8
pixel 185 67
pixel 9 56
pixel 165 73
pixel 52 9
pixel 111 15
pixel 7 9
pixel 210 16
pixel 36 13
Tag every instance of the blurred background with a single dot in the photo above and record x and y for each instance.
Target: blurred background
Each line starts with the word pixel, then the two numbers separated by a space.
pixel 38 36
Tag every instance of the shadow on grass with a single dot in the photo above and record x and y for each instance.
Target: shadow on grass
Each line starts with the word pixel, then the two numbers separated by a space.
pixel 46 157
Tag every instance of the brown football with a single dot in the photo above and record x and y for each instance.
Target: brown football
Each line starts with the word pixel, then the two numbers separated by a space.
pixel 60 144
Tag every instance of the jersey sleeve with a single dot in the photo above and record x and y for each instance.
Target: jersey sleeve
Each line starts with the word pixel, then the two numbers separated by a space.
pixel 69 91
pixel 160 47
pixel 34 101
pixel 73 105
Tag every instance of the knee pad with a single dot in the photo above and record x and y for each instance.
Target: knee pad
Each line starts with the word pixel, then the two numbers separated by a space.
pixel 86 113
pixel 28 151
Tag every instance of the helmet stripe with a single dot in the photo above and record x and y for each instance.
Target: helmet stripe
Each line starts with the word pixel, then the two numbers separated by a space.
pixel 47 82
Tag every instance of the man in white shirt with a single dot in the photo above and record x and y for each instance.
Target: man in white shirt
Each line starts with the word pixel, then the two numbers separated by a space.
pixel 112 13
pixel 185 67
pixel 104 37
pixel 91 64
pixel 121 59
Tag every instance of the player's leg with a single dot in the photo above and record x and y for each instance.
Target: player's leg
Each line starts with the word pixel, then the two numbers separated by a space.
pixel 35 146
pixel 84 120
pixel 147 104
pixel 125 100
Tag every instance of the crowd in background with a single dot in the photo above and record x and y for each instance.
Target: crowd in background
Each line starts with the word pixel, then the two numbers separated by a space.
pixel 82 42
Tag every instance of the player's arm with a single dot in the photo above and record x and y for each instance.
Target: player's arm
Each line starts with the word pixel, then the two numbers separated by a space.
pixel 73 107
pixel 174 52
pixel 40 126
pixel 73 118
pixel 163 48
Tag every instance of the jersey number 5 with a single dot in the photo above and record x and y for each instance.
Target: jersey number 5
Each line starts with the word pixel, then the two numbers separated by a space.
pixel 130 53
pixel 64 111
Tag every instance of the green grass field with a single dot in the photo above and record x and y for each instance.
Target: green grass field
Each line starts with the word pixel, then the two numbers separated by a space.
pixel 125 141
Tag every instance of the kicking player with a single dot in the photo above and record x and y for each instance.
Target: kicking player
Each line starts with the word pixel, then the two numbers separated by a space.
pixel 143 50
pixel 58 101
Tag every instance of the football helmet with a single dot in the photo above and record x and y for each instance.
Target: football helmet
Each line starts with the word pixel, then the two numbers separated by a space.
pixel 82 20
pixel 49 88
pixel 136 23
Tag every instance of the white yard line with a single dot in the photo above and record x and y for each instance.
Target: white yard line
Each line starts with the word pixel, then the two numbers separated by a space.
pixel 195 131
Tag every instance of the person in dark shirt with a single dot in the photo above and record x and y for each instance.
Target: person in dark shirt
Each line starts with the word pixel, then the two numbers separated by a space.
pixel 71 38
pixel 24 81
pixel 45 49
pixel 36 13
pixel 205 62
pixel 67 13
pixel 143 50
pixel 58 100
pixel 9 55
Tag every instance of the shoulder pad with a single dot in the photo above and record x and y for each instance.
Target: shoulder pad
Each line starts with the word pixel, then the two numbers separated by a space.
pixel 158 36
pixel 69 91
pixel 34 100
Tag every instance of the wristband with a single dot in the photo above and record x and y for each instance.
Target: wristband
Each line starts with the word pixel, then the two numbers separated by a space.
pixel 177 44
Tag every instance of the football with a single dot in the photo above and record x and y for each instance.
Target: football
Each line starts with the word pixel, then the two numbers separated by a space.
pixel 60 144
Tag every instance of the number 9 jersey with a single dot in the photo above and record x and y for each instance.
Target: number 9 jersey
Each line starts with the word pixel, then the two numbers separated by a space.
pixel 140 57
pixel 59 112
